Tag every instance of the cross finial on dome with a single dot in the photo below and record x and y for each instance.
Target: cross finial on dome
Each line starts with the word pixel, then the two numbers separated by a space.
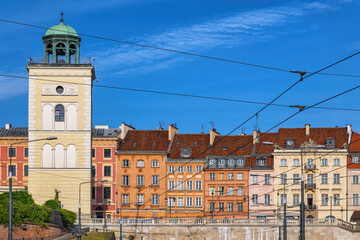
pixel 61 14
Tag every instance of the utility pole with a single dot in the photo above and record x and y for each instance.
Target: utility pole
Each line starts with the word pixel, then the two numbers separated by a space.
pixel 279 230
pixel 285 220
pixel 120 230
pixel 331 197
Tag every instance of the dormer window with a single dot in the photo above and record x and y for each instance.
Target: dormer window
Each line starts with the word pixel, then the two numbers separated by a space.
pixel 212 162
pixel 153 145
pixel 231 162
pixel 185 152
pixel 290 143
pixel 261 161
pixel 224 148
pixel 222 162
pixel 240 148
pixel 134 145
pixel 330 142
pixel 195 143
pixel 240 162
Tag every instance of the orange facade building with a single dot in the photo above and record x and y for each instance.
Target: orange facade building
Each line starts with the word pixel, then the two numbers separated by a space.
pixel 185 176
pixel 141 171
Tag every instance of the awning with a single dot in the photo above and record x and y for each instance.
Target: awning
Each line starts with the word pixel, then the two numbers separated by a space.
pixel 355 216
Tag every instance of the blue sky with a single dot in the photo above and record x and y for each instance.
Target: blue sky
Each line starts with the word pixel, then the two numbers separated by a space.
pixel 293 35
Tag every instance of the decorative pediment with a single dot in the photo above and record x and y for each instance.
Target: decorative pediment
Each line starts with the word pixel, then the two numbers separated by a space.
pixel 310 144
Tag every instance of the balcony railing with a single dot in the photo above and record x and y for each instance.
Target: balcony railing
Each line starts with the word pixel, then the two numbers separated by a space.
pixel 82 60
pixel 310 167
pixel 310 185
pixel 310 207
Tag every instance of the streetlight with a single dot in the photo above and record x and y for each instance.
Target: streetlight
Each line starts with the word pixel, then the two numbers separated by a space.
pixel 10 229
pixel 79 217
pixel 302 204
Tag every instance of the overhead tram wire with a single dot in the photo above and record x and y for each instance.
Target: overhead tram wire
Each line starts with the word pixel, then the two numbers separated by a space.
pixel 178 51
pixel 179 94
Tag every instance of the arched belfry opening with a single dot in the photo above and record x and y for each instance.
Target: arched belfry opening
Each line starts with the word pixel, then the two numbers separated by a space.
pixel 61 44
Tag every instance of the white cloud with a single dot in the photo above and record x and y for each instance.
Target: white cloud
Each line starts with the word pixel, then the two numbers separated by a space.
pixel 239 29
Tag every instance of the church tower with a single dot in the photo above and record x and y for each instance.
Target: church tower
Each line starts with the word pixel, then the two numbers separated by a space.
pixel 60 104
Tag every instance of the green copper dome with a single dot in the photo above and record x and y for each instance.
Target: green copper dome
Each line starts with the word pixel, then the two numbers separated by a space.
pixel 61 29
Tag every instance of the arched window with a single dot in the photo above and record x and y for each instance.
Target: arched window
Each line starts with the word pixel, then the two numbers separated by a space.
pixel 47 156
pixel 59 113
pixel 140 163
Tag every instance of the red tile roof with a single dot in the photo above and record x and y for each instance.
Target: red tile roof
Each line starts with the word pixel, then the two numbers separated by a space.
pixel 232 144
pixel 145 140
pixel 199 144
pixel 355 143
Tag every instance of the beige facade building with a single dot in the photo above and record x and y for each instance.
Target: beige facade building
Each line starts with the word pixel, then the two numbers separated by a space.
pixel 323 152
pixel 60 105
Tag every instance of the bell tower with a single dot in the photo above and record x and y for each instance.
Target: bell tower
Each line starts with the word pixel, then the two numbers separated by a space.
pixel 60 104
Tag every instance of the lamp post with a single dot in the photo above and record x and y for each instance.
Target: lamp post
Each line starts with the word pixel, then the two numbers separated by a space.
pixel 79 217
pixel 10 229
pixel 302 204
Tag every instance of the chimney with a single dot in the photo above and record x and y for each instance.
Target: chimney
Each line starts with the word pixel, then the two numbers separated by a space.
pixel 307 129
pixel 172 131
pixel 348 127
pixel 256 137
pixel 213 134
pixel 8 125
pixel 124 129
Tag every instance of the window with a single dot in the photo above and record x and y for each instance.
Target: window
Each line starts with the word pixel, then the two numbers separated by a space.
pixel 107 171
pixel 198 169
pixel 198 202
pixel 140 199
pixel 222 162
pixel 355 199
pixel 92 192
pixel 125 163
pixel 107 192
pixel 240 162
pixel 189 169
pixel 230 207
pixel 185 152
pixel 12 152
pixel 283 178
pixel 155 180
pixel 267 178
pixel 221 191
pixel 310 178
pixel 212 162
pixel 255 179
pixel 93 153
pixel 296 200
pixel 180 185
pixel 189 201
pixel 296 162
pixel 239 176
pixel 171 169
pixel 336 199
pixel 59 113
pixel 140 163
pixel 212 207
pixel 189 185
pixel 93 171
pixel 180 201
pixel 59 89
pixel 261 161
pixel 324 162
pixel 107 153
pixel 26 170
pixel 125 199
pixel 231 162
pixel 198 185
pixel 212 191
pixel 324 199
pixel 224 148
pixel 221 176
pixel 336 178
pixel 180 169
pixel 310 162
pixel 26 152
pixel 154 163
pixel 140 180
pixel 296 178
pixel 212 176
pixel 231 191
pixel 155 199
pixel 324 178
pixel 355 159
pixel 283 163
pixel 240 191
pixel 221 207
pixel 267 199
pixel 336 162
pixel 254 199
pixel 12 169
pixel 283 198
pixel 171 201
pixel 171 185
pixel 355 179
pixel 231 176
pixel 240 206
pixel 125 180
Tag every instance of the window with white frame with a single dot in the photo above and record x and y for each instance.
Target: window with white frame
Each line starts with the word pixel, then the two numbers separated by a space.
pixel 267 178
pixel 239 176
pixel 254 199
pixel 140 163
pixel 189 185
pixel 355 159
pixel 240 206
pixel 155 199
pixel 324 162
pixel 125 199
pixel 283 163
pixel 296 162
pixel 180 201
pixel 155 180
pixel 296 200
pixel 154 163
pixel 336 162
pixel 198 168
pixel 140 199
pixel 221 207
pixel 283 198
pixel 230 207
pixel 212 162
pixel 125 180
pixel 198 202
pixel 222 162
pixel 283 178
pixel 355 179
pixel 171 201
pixel 336 178
pixel 231 176
pixel 240 191
pixel 240 162
pixel 231 191
pixel 212 176
pixel 212 191
pixel 261 161
pixel 355 199
pixel 324 178
pixel 171 185
pixel 125 163
pixel 336 199
pixel 180 169
pixel 267 199
pixel 189 169
pixel 198 185
pixel 180 185
pixel 310 162
pixel 255 179
pixel 171 169
pixel 324 199
pixel 221 191
pixel 231 162
pixel 189 201
pixel 140 181
pixel 296 178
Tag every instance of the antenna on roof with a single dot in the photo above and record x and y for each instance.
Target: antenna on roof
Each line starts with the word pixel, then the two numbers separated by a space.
pixel 243 130
pixel 256 122
pixel 202 128
pixel 160 126
pixel 212 125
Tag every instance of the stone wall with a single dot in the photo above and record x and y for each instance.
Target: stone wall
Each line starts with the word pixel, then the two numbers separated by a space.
pixel 30 231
